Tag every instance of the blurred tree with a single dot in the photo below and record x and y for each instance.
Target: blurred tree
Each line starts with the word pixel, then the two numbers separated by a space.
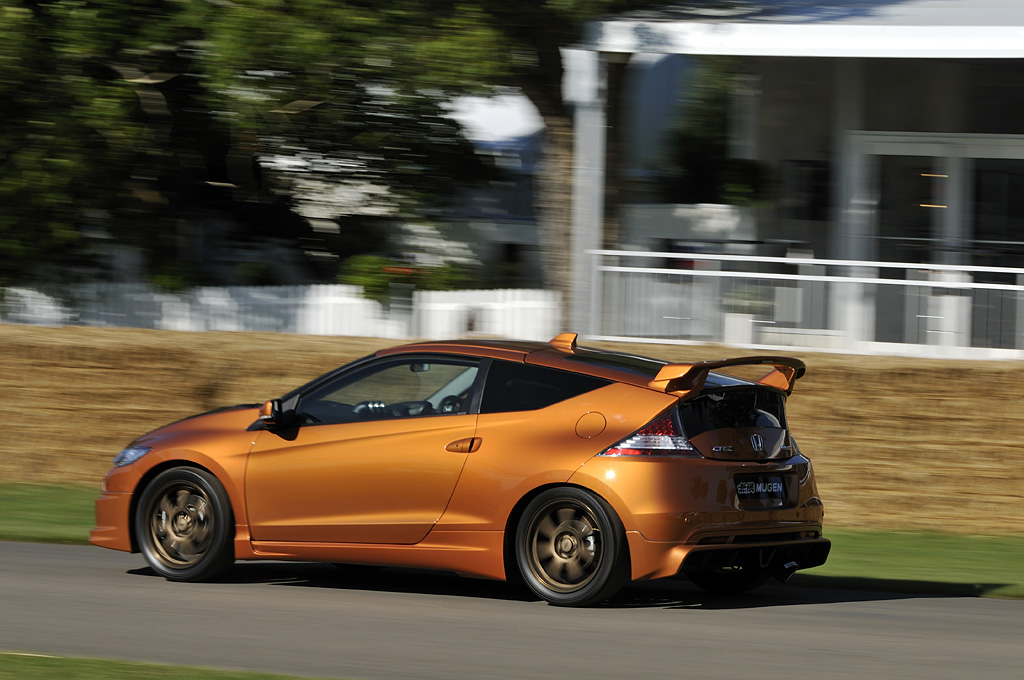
pixel 135 122
pixel 63 119
pixel 378 275
pixel 482 45
pixel 127 118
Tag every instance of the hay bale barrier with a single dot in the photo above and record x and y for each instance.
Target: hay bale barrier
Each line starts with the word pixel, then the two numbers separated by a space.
pixel 897 443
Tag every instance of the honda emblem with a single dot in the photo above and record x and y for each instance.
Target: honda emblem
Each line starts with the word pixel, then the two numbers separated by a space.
pixel 757 441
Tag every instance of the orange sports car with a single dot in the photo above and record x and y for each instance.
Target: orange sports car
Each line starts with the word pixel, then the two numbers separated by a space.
pixel 573 469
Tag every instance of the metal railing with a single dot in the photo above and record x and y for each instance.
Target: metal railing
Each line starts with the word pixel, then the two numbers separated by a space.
pixel 872 307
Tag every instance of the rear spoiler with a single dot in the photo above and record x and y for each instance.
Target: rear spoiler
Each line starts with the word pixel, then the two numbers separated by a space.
pixel 688 379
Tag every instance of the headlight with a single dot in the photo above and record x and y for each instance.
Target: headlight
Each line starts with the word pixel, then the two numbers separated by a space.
pixel 130 455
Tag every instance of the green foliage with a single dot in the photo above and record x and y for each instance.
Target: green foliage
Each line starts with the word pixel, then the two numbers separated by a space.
pixel 375 274
pixel 450 276
pixel 77 143
pixel 343 86
pixel 173 276
pixel 381 276
pixel 257 274
pixel 120 118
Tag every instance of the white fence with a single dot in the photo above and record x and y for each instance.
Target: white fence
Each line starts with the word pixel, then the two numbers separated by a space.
pixel 833 305
pixel 311 310
pixel 525 314
pixel 758 302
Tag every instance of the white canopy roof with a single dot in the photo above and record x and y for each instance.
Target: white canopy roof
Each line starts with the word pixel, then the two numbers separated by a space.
pixel 991 29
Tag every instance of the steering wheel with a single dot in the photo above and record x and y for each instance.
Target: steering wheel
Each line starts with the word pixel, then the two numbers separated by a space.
pixel 450 404
pixel 370 409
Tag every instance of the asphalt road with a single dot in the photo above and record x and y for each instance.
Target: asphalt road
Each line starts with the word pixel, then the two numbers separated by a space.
pixel 310 619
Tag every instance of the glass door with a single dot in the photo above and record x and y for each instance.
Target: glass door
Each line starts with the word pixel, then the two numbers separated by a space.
pixel 913 195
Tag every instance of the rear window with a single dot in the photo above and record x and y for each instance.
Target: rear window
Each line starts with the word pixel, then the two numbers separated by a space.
pixel 513 386
pixel 732 408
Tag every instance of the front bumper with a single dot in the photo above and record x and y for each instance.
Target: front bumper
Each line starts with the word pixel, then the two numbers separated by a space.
pixel 112 522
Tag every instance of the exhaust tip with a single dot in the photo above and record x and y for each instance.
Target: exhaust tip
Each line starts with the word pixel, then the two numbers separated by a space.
pixel 785 571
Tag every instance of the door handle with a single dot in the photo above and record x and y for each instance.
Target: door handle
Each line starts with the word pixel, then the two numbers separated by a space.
pixel 467 445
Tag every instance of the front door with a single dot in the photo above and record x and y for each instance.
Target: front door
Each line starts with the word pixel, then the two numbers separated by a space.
pixel 373 461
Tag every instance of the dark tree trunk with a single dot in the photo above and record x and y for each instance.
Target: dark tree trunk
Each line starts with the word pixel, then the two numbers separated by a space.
pixel 554 179
pixel 554 205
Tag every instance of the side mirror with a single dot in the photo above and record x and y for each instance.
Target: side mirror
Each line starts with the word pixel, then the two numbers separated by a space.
pixel 277 413
pixel 270 411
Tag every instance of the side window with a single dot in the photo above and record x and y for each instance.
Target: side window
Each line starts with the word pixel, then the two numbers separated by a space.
pixel 394 388
pixel 513 386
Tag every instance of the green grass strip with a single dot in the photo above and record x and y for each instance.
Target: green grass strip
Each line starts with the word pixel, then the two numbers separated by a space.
pixel 46 513
pixel 951 564
pixel 19 666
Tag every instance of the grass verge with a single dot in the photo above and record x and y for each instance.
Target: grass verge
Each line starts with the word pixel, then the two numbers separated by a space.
pixel 920 562
pixel 952 564
pixel 46 513
pixel 42 667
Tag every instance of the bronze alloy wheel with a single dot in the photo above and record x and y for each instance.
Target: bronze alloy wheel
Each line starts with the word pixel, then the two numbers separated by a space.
pixel 183 524
pixel 571 547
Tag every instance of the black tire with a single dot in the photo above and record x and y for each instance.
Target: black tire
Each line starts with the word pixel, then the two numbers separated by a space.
pixel 184 526
pixel 571 548
pixel 729 580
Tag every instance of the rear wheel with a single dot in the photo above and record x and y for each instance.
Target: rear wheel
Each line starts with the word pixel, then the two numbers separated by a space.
pixel 571 548
pixel 729 580
pixel 183 525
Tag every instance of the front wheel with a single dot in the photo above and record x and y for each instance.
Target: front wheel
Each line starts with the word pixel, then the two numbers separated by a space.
pixel 571 548
pixel 184 526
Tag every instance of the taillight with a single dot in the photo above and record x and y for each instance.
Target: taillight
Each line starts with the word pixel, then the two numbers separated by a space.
pixel 660 437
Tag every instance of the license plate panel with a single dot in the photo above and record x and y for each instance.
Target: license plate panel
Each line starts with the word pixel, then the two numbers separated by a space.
pixel 761 490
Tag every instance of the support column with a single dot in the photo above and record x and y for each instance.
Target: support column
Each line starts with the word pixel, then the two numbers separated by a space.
pixel 586 90
pixel 852 305
pixel 954 228
pixel 950 311
pixel 845 240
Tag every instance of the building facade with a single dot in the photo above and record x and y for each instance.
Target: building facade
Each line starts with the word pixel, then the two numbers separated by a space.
pixel 891 131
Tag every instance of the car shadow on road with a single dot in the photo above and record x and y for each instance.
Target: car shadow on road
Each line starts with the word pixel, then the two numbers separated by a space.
pixel 367 578
pixel 803 589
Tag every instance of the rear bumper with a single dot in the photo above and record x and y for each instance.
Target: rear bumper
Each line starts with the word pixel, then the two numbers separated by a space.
pixel 775 558
pixel 111 530
pixel 685 514
pixel 780 554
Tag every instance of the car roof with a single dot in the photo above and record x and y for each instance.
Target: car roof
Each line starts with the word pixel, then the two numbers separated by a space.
pixel 621 367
